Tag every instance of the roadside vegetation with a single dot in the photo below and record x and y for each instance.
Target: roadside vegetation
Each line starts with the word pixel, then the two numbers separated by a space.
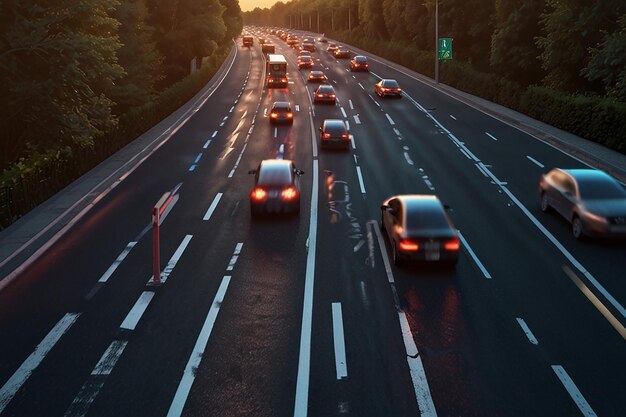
pixel 80 80
pixel 562 62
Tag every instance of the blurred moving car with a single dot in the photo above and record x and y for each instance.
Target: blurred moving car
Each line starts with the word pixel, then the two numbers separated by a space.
pixel 591 200
pixel 325 94
pixel 331 48
pixel 388 87
pixel 248 41
pixel 268 48
pixel 342 52
pixel 322 39
pixel 276 187
pixel 308 46
pixel 281 113
pixel 262 41
pixel 334 132
pixel 418 228
pixel 359 63
pixel 305 61
pixel 317 77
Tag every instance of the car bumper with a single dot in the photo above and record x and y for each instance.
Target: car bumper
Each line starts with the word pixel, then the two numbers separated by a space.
pixel 335 143
pixel 430 256
pixel 275 206
pixel 596 229
pixel 324 100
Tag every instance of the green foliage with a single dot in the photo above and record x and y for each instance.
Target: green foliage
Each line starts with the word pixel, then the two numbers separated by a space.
pixel 232 18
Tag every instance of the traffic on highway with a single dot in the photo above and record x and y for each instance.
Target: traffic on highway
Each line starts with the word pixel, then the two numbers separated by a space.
pixel 339 238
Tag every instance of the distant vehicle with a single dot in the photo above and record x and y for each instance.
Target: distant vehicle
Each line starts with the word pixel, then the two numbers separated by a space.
pixel 292 40
pixel 331 48
pixel 276 71
pixel 268 48
pixel 281 113
pixel 317 77
pixel 305 62
pixel 322 39
pixel 307 46
pixel 388 87
pixel 334 132
pixel 591 200
pixel 248 41
pixel 276 187
pixel 304 52
pixel 359 63
pixel 325 94
pixel 262 41
pixel 418 228
pixel 342 52
pixel 307 39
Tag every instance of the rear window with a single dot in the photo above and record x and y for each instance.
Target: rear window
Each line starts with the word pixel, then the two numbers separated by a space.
pixel 390 83
pixel 281 106
pixel 600 189
pixel 335 127
pixel 425 217
pixel 360 59
pixel 326 89
pixel 305 58
pixel 275 176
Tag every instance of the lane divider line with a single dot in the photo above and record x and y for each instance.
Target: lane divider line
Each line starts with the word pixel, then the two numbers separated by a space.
pixel 573 391
pixel 233 259
pixel 206 145
pixel 391 122
pixel 339 343
pixel 361 183
pixel 214 134
pixel 452 117
pixel 343 112
pixel 105 277
pixel 191 369
pixel 10 388
pixel 135 313
pixel 474 257
pixel 531 337
pixel 491 136
pixel 534 161
pixel 356 119
pixel 173 260
pixel 212 207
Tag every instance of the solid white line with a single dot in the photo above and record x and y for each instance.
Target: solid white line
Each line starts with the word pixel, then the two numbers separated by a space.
pixel 491 136
pixel 361 183
pixel 573 391
pixel 206 145
pixel 214 134
pixel 347 125
pixel 133 317
pixel 480 168
pixel 10 388
pixel 465 153
pixel 452 117
pixel 173 260
pixel 313 136
pixel 356 119
pixel 352 141
pixel 391 122
pixel 107 362
pixel 105 277
pixel 304 357
pixel 212 207
pixel 531 337
pixel 534 161
pixel 189 374
pixel 351 105
pixel 343 112
pixel 341 364
pixel 474 257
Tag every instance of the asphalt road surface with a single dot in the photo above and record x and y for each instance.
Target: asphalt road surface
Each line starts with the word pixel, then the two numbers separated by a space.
pixel 305 315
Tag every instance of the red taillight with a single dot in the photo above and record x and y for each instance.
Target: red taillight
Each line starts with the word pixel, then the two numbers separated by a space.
pixel 289 193
pixel 258 194
pixel 289 115
pixel 283 80
pixel 408 245
pixel 326 135
pixel 453 244
pixel 271 80
pixel 274 115
pixel 345 136
pixel 320 95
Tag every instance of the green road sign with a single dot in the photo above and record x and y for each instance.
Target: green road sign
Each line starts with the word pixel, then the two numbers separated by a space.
pixel 445 49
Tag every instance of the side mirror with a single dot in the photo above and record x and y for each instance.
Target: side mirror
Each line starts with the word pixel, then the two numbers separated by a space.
pixel 320 128
pixel 299 172
pixel 252 171
pixel 384 207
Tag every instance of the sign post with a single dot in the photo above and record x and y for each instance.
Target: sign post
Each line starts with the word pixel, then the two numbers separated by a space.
pixel 159 212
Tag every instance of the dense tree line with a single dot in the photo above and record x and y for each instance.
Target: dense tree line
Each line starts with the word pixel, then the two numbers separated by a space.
pixel 69 69
pixel 575 46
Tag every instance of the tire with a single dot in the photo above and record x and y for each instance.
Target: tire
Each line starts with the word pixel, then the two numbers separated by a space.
pixel 543 204
pixel 397 259
pixel 382 222
pixel 577 228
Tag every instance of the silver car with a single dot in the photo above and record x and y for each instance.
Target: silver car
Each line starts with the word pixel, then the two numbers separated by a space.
pixel 591 200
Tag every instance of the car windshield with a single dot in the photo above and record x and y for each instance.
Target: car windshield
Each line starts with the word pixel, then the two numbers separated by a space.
pixel 600 189
pixel 425 216
pixel 274 176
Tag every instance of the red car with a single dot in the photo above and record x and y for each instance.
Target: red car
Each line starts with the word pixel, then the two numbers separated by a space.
pixel 359 63
pixel 305 62
pixel 388 87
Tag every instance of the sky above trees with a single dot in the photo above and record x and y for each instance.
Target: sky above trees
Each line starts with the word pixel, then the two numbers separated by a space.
pixel 247 5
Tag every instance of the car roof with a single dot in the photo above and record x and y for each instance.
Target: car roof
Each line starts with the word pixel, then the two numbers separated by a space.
pixel 334 123
pixel 360 58
pixel 587 174
pixel 388 80
pixel 317 73
pixel 275 172
pixel 423 211
pixel 326 88
pixel 305 58
pixel 281 104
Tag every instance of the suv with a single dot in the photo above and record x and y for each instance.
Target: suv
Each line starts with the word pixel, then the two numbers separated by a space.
pixel 248 41
pixel 334 132
pixel 281 113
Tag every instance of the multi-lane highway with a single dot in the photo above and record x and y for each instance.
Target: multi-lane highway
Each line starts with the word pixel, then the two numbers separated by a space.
pixel 306 315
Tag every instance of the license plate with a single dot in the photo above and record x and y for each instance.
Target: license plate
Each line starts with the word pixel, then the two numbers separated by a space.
pixel 432 255
pixel 273 194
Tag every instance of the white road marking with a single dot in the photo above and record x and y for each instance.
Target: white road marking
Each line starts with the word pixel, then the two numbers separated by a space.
pixel 133 317
pixel 397 132
pixel 341 365
pixel 221 124
pixel 198 158
pixel 275 132
pixel 596 302
pixel 361 184
pixel 361 85
pixel 231 109
pixel 416 367
pixel 351 105
pixel 534 161
pixel 348 125
pixel 531 337
pixel 91 388
pixel 212 207
pixel 105 277
pixel 356 119
pixel 343 112
pixel 358 245
pixel 297 107
pixel 232 171
pixel 391 122
pixel 238 248
pixel 573 391
pixel 189 374
pixel 225 118
pixel 173 260
pixel 482 171
pixel 304 357
pixel 313 136
pixel 474 257
pixel 214 134
pixel 206 145
pixel 491 136
pixel 465 153
pixel 10 388
pixel 408 158
pixel 352 141
pixel 192 168
pixel 452 117
pixel 335 81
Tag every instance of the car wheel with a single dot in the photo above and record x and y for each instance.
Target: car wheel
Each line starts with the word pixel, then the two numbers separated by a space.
pixel 382 222
pixel 577 227
pixel 545 206
pixel 397 260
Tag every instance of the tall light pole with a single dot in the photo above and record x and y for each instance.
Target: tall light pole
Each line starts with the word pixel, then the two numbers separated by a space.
pixel 332 19
pixel 318 20
pixel 349 16
pixel 436 41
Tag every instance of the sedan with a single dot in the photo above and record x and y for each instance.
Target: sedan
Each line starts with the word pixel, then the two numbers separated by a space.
pixel 317 77
pixel 281 113
pixel 276 187
pixel 359 63
pixel 334 132
pixel 342 52
pixel 591 200
pixel 388 87
pixel 331 48
pixel 418 228
pixel 325 94
pixel 307 46
pixel 305 61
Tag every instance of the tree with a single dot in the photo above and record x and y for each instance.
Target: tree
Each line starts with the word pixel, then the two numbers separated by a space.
pixel 372 20
pixel 232 18
pixel 57 58
pixel 514 53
